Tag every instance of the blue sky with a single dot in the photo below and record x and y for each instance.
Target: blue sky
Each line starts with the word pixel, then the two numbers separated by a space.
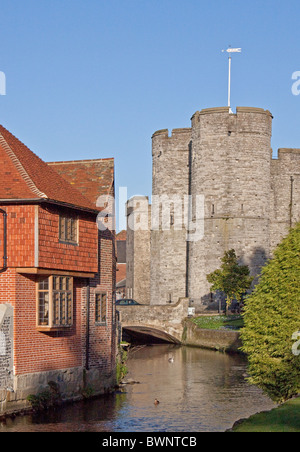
pixel 96 78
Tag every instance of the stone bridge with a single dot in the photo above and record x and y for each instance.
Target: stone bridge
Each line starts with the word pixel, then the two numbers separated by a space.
pixel 162 322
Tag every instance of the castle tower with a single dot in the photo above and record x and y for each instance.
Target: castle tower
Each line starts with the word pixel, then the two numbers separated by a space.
pixel 138 249
pixel 168 233
pixel 231 167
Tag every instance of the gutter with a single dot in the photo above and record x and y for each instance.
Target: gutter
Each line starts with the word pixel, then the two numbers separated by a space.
pixel 95 211
pixel 4 213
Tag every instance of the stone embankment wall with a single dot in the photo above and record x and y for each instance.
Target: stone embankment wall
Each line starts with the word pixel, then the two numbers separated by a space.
pixel 6 353
pixel 227 341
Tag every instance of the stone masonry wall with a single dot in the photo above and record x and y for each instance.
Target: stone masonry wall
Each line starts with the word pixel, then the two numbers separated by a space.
pixel 231 158
pixel 168 235
pixel 138 249
pixel 6 345
pixel 285 176
pixel 6 353
pixel 250 202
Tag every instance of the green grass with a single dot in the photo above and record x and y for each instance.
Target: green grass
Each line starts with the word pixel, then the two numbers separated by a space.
pixel 285 418
pixel 219 322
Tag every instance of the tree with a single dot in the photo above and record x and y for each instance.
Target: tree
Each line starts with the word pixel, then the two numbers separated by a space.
pixel 272 323
pixel 232 279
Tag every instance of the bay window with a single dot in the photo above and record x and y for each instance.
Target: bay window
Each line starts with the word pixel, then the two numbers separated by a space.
pixel 55 301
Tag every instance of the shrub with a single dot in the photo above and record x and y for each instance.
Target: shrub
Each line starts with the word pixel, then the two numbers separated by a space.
pixel 271 318
pixel 232 279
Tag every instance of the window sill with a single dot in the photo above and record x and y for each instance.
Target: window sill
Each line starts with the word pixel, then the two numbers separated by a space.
pixel 47 329
pixel 65 242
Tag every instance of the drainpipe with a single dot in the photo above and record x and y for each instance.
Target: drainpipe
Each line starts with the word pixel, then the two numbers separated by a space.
pixel 4 213
pixel 87 342
pixel 187 262
pixel 291 201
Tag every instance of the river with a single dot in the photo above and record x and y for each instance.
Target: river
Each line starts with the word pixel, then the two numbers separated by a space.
pixel 198 391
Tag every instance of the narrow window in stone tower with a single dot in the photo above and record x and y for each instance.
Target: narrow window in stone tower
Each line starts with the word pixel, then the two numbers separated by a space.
pixel 213 209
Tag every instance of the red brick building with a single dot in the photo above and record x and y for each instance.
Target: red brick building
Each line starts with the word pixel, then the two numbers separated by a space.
pixel 57 276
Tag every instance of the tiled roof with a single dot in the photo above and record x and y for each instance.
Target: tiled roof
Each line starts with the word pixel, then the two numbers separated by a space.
pixel 24 175
pixel 92 178
pixel 121 272
pixel 122 235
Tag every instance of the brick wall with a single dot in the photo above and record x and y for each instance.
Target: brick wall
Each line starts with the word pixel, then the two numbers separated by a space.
pixel 102 336
pixel 36 351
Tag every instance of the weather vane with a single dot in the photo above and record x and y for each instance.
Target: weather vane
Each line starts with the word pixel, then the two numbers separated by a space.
pixel 230 50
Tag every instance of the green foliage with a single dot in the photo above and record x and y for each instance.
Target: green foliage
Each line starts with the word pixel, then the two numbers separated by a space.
pixel 285 418
pixel 219 322
pixel 87 392
pixel 40 401
pixel 121 367
pixel 232 279
pixel 47 398
pixel 271 317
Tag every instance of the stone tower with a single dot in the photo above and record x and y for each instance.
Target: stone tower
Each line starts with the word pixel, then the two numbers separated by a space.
pixel 138 249
pixel 168 235
pixel 231 167
pixel 249 202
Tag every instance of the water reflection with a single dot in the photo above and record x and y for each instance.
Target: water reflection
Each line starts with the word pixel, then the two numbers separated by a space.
pixel 198 391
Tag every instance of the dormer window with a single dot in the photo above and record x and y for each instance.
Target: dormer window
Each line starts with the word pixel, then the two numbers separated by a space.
pixel 68 229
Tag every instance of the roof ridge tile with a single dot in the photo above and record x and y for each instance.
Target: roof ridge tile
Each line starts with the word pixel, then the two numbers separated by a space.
pixel 21 168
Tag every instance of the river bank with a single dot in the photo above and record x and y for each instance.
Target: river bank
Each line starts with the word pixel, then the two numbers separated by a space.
pixel 199 332
pixel 285 418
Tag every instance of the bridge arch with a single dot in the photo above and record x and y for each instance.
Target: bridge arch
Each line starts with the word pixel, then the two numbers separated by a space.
pixel 163 322
pixel 148 334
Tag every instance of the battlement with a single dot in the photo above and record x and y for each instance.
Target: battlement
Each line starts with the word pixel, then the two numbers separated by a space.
pixel 216 110
pixel 220 121
pixel 176 142
pixel 175 132
pixel 253 110
pixel 283 151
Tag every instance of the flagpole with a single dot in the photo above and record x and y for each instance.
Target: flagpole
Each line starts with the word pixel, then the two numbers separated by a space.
pixel 229 81
pixel 230 51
